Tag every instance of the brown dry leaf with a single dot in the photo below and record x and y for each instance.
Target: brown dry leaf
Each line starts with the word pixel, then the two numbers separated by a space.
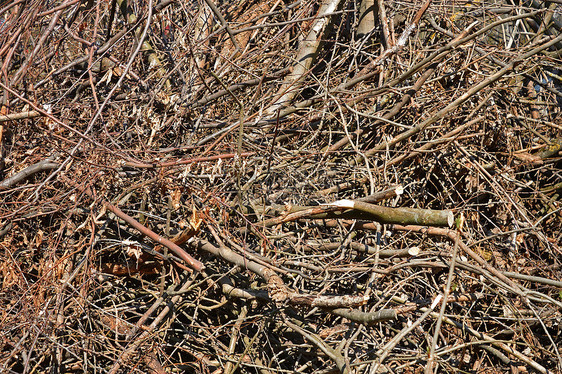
pixel 10 276
pixel 117 71
pixel 195 221
pixel 176 197
pixel 53 268
pixel 190 228
pixel 133 250
pixel 128 269
pixel 485 253
pixel 473 183
pixel 39 238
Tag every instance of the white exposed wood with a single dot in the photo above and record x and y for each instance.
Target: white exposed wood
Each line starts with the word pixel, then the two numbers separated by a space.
pixel 305 57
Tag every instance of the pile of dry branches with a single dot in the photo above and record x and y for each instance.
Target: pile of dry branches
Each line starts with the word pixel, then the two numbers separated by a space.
pixel 278 187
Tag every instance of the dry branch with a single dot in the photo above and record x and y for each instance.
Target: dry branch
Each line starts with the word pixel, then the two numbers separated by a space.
pixel 312 155
pixel 304 58
pixel 43 165
pixel 189 260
